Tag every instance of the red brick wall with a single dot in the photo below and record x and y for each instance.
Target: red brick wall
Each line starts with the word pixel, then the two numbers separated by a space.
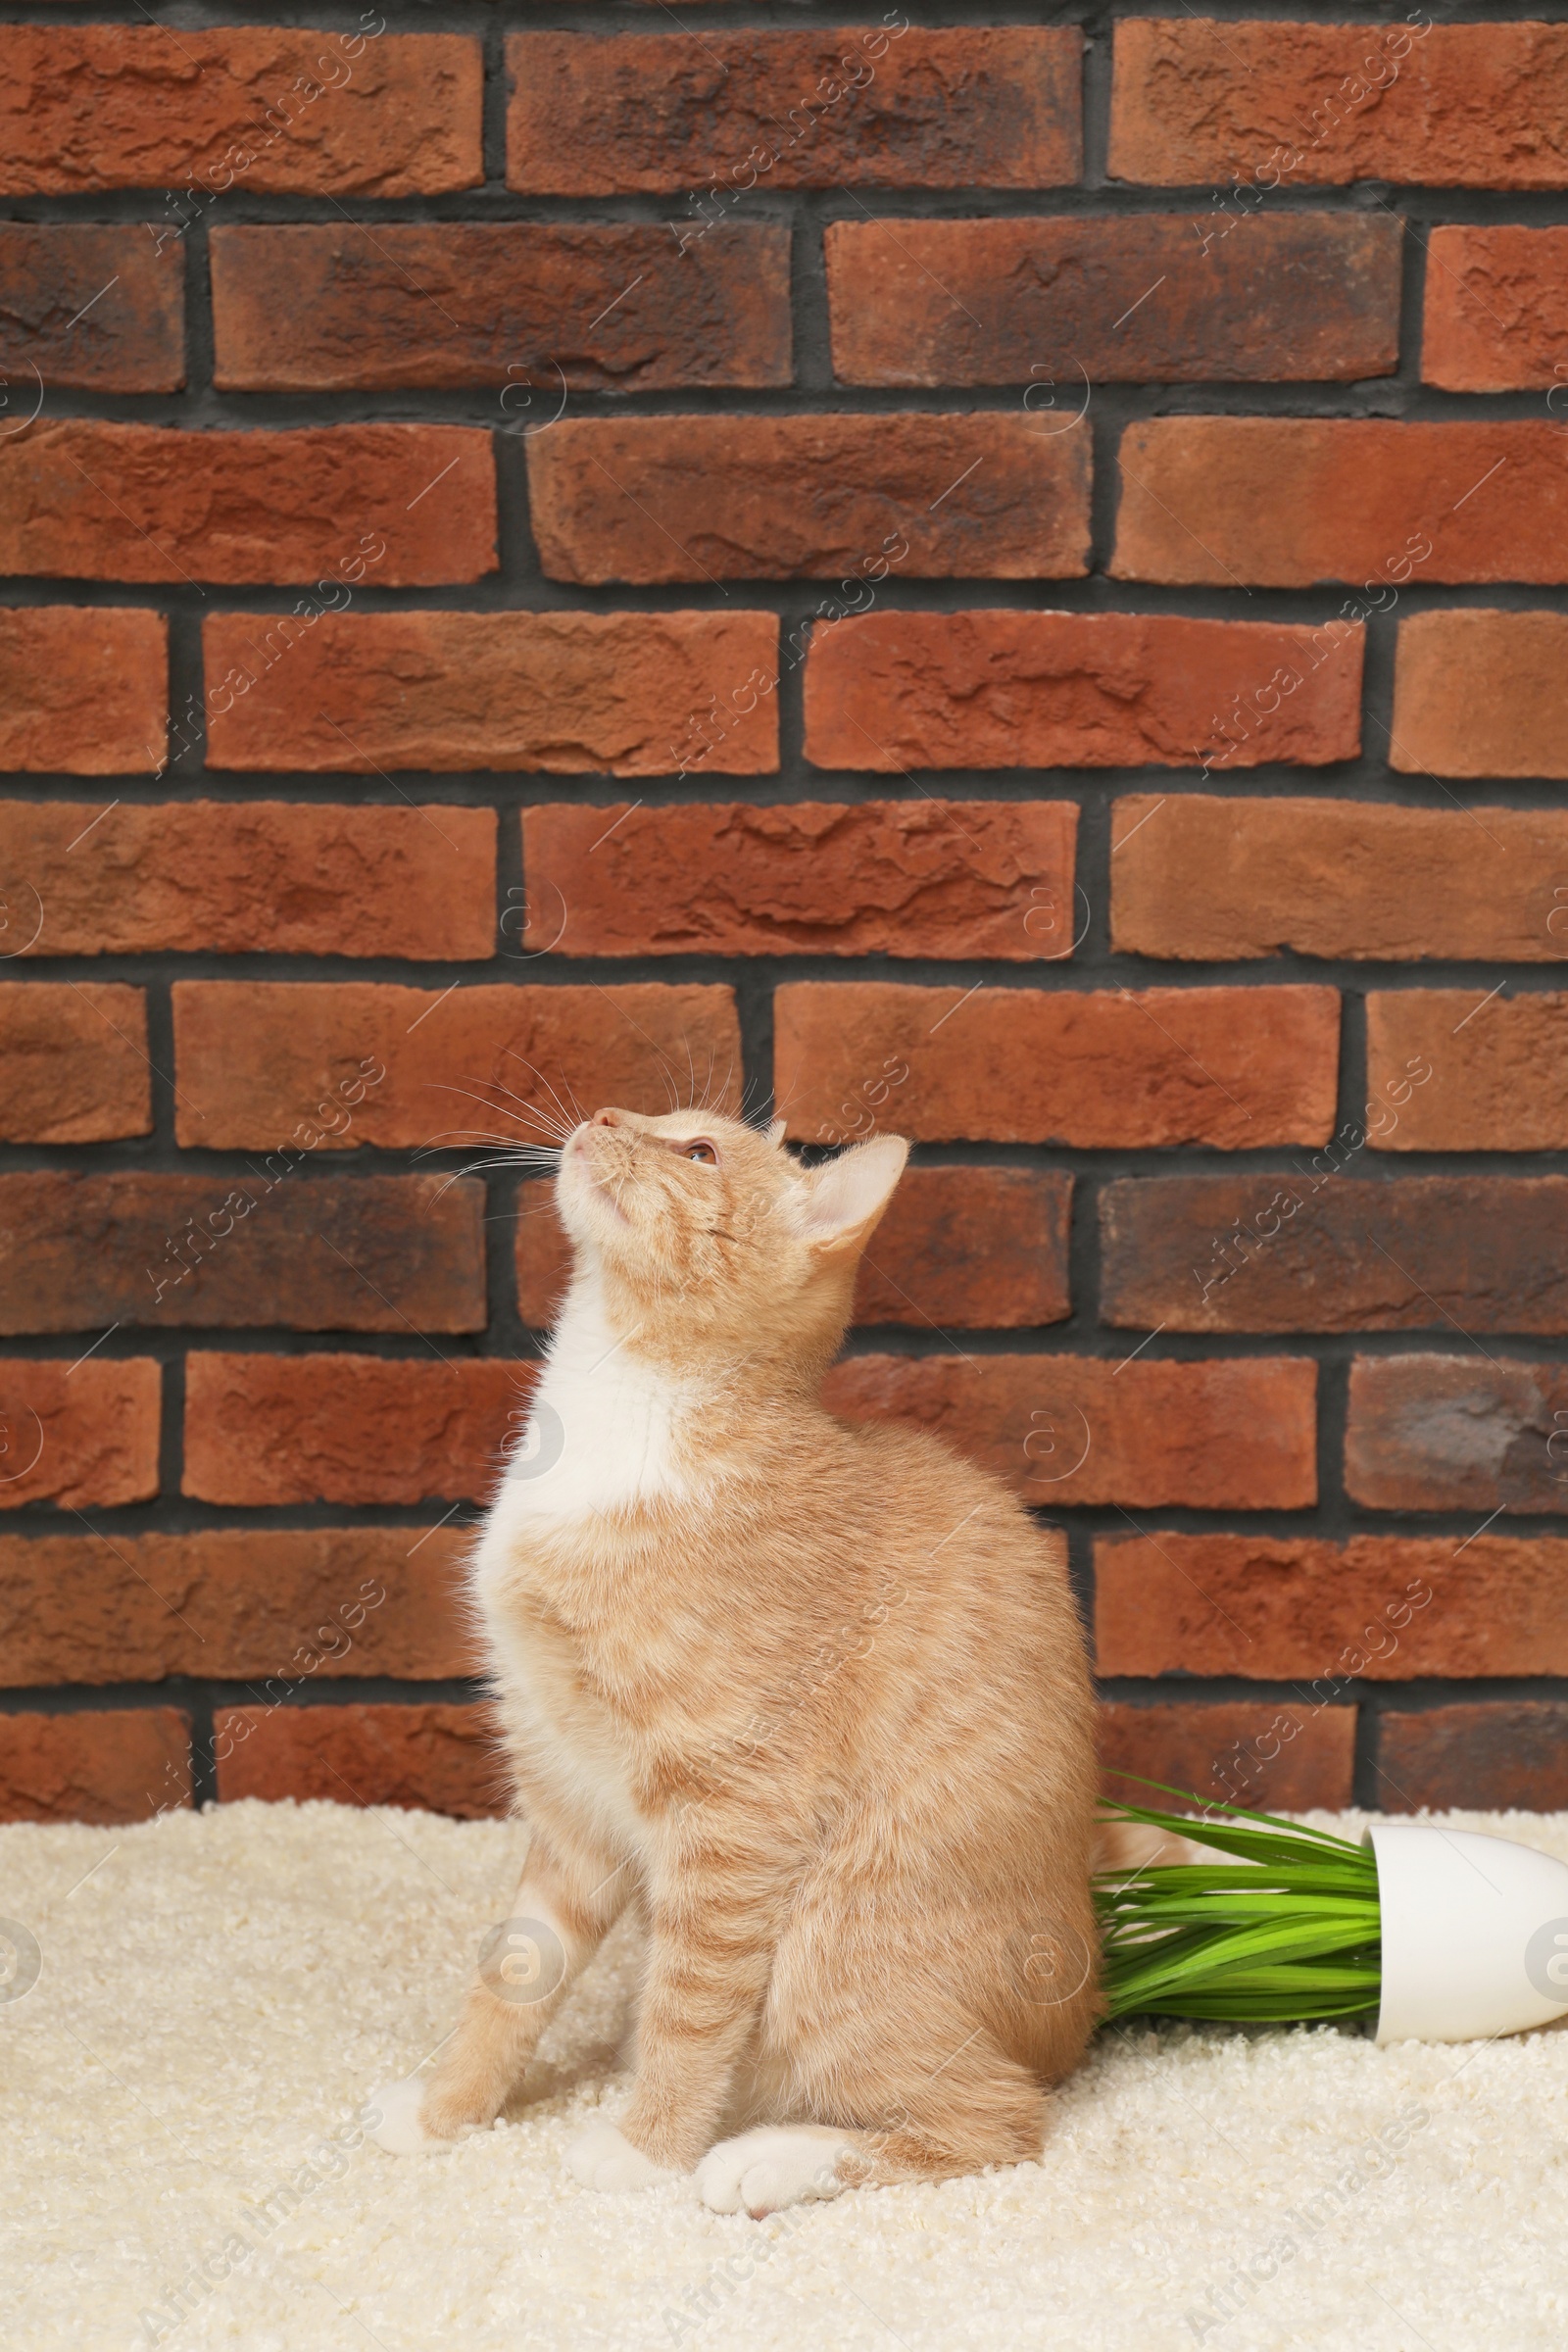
pixel 998 580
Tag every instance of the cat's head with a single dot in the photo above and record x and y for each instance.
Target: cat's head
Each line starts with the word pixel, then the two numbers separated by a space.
pixel 713 1242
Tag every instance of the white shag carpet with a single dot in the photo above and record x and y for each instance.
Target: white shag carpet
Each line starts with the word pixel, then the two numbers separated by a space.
pixel 219 1993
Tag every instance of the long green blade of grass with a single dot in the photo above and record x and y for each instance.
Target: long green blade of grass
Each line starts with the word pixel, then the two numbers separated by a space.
pixel 1287 1930
pixel 1200 1823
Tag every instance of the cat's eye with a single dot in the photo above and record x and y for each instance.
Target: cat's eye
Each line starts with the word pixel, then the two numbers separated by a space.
pixel 702 1153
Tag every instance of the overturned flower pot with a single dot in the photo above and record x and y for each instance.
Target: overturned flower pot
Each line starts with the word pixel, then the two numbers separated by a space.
pixel 1474 1934
pixel 1439 1935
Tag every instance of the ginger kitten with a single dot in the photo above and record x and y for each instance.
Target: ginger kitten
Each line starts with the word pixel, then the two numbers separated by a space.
pixel 812 1699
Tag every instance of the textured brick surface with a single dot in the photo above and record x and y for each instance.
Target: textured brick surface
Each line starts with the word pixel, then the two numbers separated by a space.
pixel 436 1758
pixel 1209 879
pixel 746 498
pixel 399 505
pixel 619 692
pixel 82 693
pixel 278 876
pixel 90 308
pixel 1281 502
pixel 1482 694
pixel 256 1061
pixel 371 1253
pixel 1279 1758
pixel 540 309
pixel 982 1248
pixel 290 1604
pixel 626 671
pixel 892 877
pixel 106 1765
pixel 80 1433
pixel 1066 1430
pixel 269 1429
pixel 1228 1066
pixel 1376 1609
pixel 982 107
pixel 1324 1251
pixel 1499 1068
pixel 1497 309
pixel 961 1248
pixel 271 110
pixel 1457 1432
pixel 1312 296
pixel 73 1064
pixel 541 1253
pixel 1454 106
pixel 901 690
pixel 1492 1757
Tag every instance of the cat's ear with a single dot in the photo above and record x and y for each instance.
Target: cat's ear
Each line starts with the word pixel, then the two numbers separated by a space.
pixel 849 1194
pixel 775 1134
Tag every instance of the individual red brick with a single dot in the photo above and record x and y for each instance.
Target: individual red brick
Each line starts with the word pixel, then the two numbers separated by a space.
pixel 1495 316
pixel 78 1433
pixel 1379 1608
pixel 259 1060
pixel 1494 1758
pixel 539 308
pixel 1291 1759
pixel 1238 1067
pixel 266 109
pixel 899 690
pixel 924 877
pixel 1211 879
pixel 851 106
pixel 1482 694
pixel 1499 1066
pixel 651 499
pixel 541 1253
pixel 1303 1250
pixel 965 1249
pixel 83 692
pixel 279 877
pixel 977 1248
pixel 89 308
pixel 366 1253
pixel 1456 106
pixel 1284 502
pixel 1457 1432
pixel 1065 1430
pixel 74 1065
pixel 286 1604
pixel 434 1758
pixel 101 1765
pixel 269 1429
pixel 1048 302
pixel 397 505
pixel 615 692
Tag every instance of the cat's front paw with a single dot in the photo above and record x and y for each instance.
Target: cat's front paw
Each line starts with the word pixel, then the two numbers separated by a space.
pixel 778 2165
pixel 414 2119
pixel 400 2131
pixel 603 2158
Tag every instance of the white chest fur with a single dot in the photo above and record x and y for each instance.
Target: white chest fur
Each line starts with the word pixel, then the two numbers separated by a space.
pixel 605 1425
pixel 603 1436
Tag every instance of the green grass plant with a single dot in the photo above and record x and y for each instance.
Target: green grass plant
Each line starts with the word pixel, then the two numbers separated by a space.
pixel 1285 1931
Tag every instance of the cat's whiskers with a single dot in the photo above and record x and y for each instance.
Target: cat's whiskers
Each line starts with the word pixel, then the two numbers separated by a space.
pixel 540 1118
pixel 708 1101
pixel 509 1154
pixel 525 1111
pixel 514 1056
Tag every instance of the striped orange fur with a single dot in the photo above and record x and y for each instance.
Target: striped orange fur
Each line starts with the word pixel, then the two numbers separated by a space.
pixel 812 1697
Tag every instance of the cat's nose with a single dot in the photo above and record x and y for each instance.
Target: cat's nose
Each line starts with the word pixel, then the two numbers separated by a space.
pixel 608 1119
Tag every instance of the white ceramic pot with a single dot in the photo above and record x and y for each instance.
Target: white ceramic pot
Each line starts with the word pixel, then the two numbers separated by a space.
pixel 1475 1934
